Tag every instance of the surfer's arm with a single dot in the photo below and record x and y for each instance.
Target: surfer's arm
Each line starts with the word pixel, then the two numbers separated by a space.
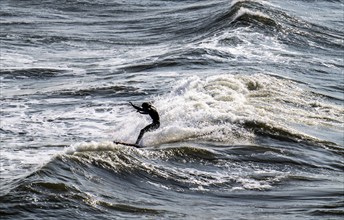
pixel 136 107
pixel 140 110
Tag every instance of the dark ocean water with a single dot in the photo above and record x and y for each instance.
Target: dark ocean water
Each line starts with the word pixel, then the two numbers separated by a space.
pixel 250 95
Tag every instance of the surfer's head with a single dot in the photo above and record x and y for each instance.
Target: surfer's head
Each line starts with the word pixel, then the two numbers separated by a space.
pixel 146 105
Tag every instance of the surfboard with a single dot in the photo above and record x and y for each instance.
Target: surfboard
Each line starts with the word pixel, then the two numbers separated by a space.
pixel 127 144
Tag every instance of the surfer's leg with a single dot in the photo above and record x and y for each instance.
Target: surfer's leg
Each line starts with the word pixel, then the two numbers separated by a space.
pixel 142 132
pixel 140 136
pixel 150 127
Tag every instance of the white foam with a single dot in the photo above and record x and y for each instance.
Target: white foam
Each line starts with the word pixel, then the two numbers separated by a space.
pixel 203 107
pixel 243 11
pixel 92 146
pixel 195 109
pixel 212 108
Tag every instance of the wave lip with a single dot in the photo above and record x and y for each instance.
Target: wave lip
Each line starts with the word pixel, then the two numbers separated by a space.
pixel 92 146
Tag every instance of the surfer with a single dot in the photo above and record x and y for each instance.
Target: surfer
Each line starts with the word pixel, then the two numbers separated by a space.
pixel 147 108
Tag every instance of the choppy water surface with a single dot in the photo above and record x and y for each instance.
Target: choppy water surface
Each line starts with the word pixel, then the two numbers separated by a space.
pixel 250 95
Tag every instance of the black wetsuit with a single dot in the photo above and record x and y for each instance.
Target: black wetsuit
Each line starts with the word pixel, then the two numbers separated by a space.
pixel 152 112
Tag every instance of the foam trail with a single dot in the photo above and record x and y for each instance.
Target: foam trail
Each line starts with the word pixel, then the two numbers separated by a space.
pixel 92 146
pixel 216 108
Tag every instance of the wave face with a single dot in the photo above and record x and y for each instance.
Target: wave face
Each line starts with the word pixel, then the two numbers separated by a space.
pixel 113 181
pixel 249 92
